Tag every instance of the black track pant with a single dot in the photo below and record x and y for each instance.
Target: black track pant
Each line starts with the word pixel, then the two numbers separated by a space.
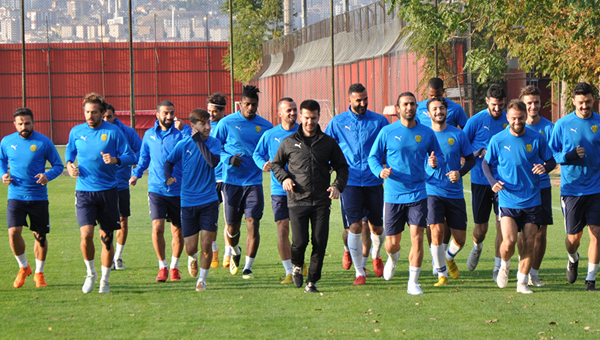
pixel 318 216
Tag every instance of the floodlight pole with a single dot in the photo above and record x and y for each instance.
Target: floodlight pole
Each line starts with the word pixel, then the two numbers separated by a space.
pixel 231 55
pixel 23 53
pixel 131 75
pixel 332 61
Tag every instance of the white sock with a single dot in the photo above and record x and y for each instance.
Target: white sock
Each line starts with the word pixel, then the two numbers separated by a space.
pixel 413 274
pixel 445 246
pixel 438 260
pixel 497 262
pixel 119 251
pixel 394 257
pixel 105 273
pixel 453 249
pixel 203 274
pixel 574 257
pixel 174 262
pixel 91 270
pixel 534 272
pixel 521 278
pixel 227 251
pixel 365 259
pixel 431 252
pixel 215 246
pixel 355 247
pixel 287 265
pixel 22 260
pixel 39 266
pixel 235 250
pixel 592 270
pixel 505 264
pixel 162 264
pixel 346 248
pixel 377 241
pixel 479 246
pixel 249 263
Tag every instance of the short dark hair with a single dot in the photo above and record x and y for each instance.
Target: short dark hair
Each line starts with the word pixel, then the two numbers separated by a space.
pixel 356 88
pixel 94 98
pixel 311 105
pixel 496 91
pixel 23 111
pixel 405 94
pixel 284 99
pixel 437 99
pixel 529 90
pixel 199 115
pixel 110 107
pixel 517 104
pixel 164 103
pixel 250 91
pixel 217 99
pixel 435 84
pixel 583 89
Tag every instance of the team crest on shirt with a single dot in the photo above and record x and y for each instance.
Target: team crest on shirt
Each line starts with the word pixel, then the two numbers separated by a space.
pixel 543 133
pixel 33 148
pixel 528 147
pixel 104 137
pixel 418 138
pixel 504 126
pixel 594 128
pixel 257 128
pixel 451 141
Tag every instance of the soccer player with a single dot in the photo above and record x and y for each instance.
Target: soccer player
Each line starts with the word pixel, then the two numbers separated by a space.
pixel 575 141
pixel 480 129
pixel 309 156
pixel 355 131
pixel 445 197
pixel 405 146
pixel 263 155
pixel 456 114
pixel 163 199
pixel 26 152
pixel 124 174
pixel 100 149
pixel 199 202
pixel 530 95
pixel 521 155
pixel 242 189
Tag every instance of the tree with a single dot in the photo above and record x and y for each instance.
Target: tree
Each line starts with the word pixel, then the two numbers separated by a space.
pixel 255 21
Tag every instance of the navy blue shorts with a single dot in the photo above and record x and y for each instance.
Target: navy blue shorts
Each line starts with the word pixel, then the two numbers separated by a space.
pixel 101 206
pixel 360 202
pixel 124 203
pixel 219 186
pixel 165 207
pixel 239 200
pixel 482 199
pixel 280 208
pixel 523 216
pixel 580 211
pixel 546 218
pixel 450 210
pixel 200 217
pixel 395 216
pixel 17 211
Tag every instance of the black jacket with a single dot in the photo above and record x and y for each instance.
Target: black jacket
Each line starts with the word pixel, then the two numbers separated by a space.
pixel 309 167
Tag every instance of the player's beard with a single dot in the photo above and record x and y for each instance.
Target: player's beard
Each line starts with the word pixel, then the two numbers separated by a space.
pixel 167 124
pixel 26 133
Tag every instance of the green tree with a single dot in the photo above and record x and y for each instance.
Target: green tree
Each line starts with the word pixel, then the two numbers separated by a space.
pixel 255 21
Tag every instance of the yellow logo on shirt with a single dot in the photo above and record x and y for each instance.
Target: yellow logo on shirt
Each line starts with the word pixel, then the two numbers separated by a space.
pixel 33 148
pixel 594 128
pixel 528 147
pixel 451 141
pixel 418 138
pixel 104 137
pixel 504 126
pixel 543 133
pixel 257 128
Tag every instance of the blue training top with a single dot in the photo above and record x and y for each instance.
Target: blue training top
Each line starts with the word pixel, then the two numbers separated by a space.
pixel 135 143
pixel 456 114
pixel 545 127
pixel 267 148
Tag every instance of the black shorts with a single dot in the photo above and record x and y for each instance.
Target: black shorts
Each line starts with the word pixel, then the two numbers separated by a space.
pixel 242 200
pixel 360 202
pixel 101 206
pixel 546 218
pixel 450 210
pixel 523 216
pixel 219 186
pixel 124 203
pixel 482 200
pixel 280 207
pixel 165 207
pixel 198 218
pixel 17 211
pixel 395 216
pixel 580 211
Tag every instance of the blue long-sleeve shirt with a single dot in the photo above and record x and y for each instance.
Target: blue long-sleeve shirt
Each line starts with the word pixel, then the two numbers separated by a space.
pixel 267 148
pixel 156 146
pixel 578 176
pixel 135 143
pixel 405 151
pixel 27 157
pixel 219 168
pixel 239 135
pixel 456 114
pixel 355 134
pixel 545 127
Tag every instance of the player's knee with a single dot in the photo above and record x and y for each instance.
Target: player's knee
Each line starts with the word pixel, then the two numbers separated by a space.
pixel 107 240
pixel 41 239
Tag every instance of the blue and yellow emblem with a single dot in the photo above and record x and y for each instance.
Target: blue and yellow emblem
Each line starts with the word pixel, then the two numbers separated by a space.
pixel 594 128
pixel 104 137
pixel 528 147
pixel 418 138
pixel 257 128
pixel 504 126
pixel 33 148
pixel 542 132
pixel 451 141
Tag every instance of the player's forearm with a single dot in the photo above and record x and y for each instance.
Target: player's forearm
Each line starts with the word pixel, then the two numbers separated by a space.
pixel 469 164
pixel 550 165
pixel 168 169
pixel 209 157
pixel 487 171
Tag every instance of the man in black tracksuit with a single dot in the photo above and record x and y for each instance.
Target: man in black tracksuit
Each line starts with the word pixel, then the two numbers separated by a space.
pixel 309 155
